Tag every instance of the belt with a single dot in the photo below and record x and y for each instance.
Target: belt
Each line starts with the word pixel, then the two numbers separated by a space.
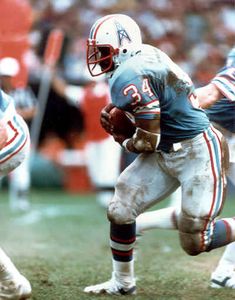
pixel 174 147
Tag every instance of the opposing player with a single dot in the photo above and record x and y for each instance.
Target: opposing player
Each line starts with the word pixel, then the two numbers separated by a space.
pixel 222 114
pixel 14 146
pixel 176 143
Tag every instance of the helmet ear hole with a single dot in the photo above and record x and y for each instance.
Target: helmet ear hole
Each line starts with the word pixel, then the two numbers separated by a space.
pixel 124 51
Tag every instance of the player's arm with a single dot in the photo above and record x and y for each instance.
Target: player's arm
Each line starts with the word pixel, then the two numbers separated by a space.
pixel 222 85
pixel 138 96
pixel 208 95
pixel 146 137
pixel 141 136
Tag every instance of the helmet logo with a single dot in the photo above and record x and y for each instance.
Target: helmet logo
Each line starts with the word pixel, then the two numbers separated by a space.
pixel 122 34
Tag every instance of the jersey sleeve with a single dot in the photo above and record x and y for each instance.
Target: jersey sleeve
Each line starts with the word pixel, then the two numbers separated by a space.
pixel 136 94
pixel 225 82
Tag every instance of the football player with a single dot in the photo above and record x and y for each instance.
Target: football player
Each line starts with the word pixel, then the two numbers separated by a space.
pixel 25 104
pixel 222 114
pixel 14 146
pixel 177 146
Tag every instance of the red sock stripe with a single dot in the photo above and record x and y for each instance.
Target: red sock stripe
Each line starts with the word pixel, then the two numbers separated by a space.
pixel 228 230
pixel 130 241
pixel 122 253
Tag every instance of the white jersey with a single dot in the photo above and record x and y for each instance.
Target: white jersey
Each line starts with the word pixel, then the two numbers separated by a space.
pixel 18 142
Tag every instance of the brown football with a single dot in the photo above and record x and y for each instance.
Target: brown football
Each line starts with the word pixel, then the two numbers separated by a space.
pixel 122 124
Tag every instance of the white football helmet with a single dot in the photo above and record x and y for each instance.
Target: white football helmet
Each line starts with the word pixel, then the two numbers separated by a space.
pixel 112 40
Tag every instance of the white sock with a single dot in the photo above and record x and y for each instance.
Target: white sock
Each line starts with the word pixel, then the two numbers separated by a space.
pixel 175 198
pixel 123 272
pixel 161 218
pixel 227 261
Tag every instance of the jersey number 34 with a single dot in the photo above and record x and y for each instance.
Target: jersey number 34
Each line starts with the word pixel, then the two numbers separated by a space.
pixel 135 93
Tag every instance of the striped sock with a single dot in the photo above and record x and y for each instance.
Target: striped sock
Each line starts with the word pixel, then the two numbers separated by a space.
pixel 122 240
pixel 224 233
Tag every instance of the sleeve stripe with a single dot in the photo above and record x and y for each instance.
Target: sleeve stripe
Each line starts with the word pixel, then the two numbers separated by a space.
pixel 228 81
pixel 147 113
pixel 225 87
pixel 150 102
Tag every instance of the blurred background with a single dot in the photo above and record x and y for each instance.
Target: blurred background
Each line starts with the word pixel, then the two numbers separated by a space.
pixel 196 34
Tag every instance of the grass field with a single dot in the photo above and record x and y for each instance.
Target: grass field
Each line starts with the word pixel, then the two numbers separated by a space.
pixel 61 246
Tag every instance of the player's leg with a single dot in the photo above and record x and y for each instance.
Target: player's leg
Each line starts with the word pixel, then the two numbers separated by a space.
pixel 231 144
pixel 19 184
pixel 140 185
pixel 203 193
pixel 224 275
pixel 175 198
pixel 13 285
pixel 164 218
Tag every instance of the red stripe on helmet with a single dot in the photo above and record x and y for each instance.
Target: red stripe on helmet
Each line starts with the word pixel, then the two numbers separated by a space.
pixel 109 17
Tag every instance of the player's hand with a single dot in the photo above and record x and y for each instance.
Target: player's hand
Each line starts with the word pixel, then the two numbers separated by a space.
pixel 119 138
pixel 3 135
pixel 105 118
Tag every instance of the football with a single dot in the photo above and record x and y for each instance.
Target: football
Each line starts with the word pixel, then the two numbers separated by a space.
pixel 122 124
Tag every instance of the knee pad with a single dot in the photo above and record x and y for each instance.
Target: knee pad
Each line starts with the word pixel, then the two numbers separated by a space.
pixel 120 213
pixel 122 210
pixel 191 233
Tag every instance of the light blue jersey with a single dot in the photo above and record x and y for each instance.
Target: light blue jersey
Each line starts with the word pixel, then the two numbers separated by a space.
pixel 223 111
pixel 225 82
pixel 151 86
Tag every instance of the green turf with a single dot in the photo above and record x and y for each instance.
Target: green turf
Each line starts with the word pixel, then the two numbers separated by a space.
pixel 62 246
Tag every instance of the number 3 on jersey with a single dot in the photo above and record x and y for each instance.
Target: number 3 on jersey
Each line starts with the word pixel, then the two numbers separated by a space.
pixel 135 94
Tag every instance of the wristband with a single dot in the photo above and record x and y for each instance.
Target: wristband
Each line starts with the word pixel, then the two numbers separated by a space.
pixel 124 144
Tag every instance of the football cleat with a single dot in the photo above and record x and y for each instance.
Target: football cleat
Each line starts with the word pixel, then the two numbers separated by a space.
pixel 17 288
pixel 111 287
pixel 222 280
